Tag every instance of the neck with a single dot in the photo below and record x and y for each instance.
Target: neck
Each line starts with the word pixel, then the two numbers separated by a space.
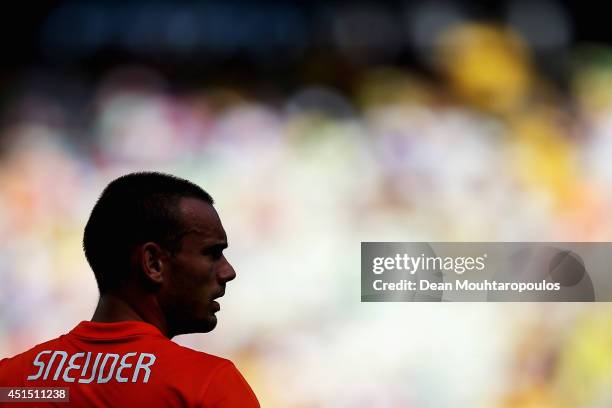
pixel 113 307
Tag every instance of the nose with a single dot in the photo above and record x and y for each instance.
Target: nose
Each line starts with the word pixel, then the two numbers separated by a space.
pixel 226 271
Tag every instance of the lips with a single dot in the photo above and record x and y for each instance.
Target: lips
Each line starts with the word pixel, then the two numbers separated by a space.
pixel 220 294
pixel 215 305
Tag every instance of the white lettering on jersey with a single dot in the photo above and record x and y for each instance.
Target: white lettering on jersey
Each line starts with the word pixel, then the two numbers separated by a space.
pixel 40 364
pixel 59 367
pixel 140 365
pixel 71 366
pixel 123 365
pixel 93 371
pixel 102 380
pixel 105 368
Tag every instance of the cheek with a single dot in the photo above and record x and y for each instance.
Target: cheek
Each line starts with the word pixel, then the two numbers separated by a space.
pixel 192 277
pixel 201 273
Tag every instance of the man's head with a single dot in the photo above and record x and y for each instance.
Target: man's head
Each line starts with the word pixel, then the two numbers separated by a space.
pixel 160 235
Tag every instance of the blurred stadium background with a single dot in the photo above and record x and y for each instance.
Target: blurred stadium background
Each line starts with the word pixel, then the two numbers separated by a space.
pixel 316 126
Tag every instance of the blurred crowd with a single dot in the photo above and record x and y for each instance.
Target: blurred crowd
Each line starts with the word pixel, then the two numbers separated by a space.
pixel 484 148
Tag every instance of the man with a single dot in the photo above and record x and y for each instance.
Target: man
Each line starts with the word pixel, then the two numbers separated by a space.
pixel 155 244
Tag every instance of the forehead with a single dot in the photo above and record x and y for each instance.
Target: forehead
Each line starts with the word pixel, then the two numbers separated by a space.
pixel 201 220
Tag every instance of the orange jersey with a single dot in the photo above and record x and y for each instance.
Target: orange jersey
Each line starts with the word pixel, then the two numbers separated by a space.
pixel 127 364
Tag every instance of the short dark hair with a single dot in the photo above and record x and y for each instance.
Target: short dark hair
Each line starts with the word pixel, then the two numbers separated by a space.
pixel 134 209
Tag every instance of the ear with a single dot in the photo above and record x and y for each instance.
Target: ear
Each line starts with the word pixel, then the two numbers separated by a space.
pixel 153 262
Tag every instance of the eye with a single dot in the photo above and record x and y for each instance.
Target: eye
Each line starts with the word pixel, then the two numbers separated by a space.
pixel 217 254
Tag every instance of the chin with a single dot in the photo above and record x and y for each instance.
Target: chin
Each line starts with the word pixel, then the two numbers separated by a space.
pixel 204 325
pixel 209 324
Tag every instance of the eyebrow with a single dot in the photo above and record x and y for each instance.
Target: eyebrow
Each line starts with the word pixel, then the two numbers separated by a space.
pixel 222 244
pixel 216 245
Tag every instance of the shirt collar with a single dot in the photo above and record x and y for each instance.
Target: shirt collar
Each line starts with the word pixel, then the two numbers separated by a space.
pixel 128 328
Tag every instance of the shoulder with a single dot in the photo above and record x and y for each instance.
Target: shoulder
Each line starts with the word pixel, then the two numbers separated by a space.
pixel 193 359
pixel 228 388
pixel 206 378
